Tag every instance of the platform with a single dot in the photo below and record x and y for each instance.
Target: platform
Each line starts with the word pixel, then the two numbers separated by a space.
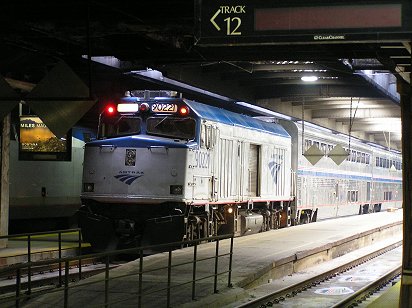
pixel 257 259
pixel 42 247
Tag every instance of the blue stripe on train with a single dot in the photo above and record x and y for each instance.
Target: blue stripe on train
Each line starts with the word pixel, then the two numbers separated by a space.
pixel 348 176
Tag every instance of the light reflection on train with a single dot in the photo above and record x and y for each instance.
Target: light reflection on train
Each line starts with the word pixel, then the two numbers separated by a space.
pixel 167 169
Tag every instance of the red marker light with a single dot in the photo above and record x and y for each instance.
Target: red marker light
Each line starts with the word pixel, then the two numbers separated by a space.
pixel 110 109
pixel 183 110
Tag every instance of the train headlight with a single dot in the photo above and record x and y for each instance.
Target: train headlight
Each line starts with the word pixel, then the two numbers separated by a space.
pixel 176 189
pixel 230 210
pixel 88 187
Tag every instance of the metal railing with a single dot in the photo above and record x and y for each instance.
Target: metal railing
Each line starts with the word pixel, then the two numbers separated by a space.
pixel 150 289
pixel 41 236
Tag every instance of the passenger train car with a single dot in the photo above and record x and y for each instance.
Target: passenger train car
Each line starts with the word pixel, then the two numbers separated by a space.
pixel 45 192
pixel 165 169
pixel 368 180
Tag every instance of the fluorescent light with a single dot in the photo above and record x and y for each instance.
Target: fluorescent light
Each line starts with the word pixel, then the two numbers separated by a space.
pixel 309 78
pixel 127 107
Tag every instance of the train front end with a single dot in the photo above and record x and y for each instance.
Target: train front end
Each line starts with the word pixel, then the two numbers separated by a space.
pixel 135 173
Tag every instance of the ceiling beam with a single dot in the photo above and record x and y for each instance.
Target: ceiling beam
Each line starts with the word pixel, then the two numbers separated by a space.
pixel 367 113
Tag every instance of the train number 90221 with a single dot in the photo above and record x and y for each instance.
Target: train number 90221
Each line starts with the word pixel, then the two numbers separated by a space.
pixel 164 107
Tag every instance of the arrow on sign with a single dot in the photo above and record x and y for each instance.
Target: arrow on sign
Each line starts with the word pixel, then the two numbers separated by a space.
pixel 212 20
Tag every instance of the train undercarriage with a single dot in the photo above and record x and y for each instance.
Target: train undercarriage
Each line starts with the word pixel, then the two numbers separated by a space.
pixel 114 226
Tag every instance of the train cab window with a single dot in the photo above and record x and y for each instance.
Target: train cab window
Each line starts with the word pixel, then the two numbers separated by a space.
pixel 179 128
pixel 122 126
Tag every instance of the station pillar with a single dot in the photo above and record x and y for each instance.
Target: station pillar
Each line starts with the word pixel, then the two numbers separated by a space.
pixel 4 185
pixel 405 90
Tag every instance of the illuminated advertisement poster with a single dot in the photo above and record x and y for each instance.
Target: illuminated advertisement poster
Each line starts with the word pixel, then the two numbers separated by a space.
pixel 36 137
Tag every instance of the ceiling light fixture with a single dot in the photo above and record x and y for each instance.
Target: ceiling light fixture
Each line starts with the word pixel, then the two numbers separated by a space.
pixel 309 78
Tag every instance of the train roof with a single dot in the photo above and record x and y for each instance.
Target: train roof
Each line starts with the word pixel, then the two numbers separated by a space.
pixel 231 118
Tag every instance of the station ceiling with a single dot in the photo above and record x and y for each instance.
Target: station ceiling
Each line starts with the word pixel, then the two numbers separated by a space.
pixel 355 91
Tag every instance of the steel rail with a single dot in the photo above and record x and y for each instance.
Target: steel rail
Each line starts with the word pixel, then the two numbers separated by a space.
pixel 292 290
pixel 362 294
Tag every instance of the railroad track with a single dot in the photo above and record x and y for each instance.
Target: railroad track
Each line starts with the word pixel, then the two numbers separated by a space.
pixel 333 288
pixel 50 277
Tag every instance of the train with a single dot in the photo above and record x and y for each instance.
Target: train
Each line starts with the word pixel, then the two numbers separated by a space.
pixel 168 169
pixel 45 176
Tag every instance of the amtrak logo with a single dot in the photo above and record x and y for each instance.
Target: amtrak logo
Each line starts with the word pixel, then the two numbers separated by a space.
pixel 274 166
pixel 128 177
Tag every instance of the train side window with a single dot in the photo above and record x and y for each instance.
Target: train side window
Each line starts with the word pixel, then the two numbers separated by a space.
pixel 368 159
pixel 353 156
pixel 363 158
pixel 323 148
pixel 353 195
pixel 308 144
pixel 387 195
pixel 358 157
pixel 316 144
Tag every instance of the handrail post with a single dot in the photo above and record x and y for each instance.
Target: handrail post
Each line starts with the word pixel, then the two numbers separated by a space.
pixel 229 280
pixel 18 287
pixel 216 266
pixel 29 264
pixel 60 257
pixel 194 271
pixel 169 274
pixel 106 283
pixel 66 284
pixel 80 254
pixel 140 279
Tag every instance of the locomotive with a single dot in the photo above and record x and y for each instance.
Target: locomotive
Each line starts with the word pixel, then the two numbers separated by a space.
pixel 167 169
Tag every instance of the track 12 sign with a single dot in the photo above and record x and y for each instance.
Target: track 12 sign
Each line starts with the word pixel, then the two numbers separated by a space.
pixel 257 22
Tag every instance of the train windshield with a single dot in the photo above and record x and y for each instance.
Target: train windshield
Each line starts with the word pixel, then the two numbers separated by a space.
pixel 172 127
pixel 121 126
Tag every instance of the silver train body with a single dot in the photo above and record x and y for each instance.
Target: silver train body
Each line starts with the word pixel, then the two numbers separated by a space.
pixel 46 189
pixel 161 174
pixel 368 180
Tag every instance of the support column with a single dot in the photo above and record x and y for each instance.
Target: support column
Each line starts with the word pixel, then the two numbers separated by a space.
pixel 4 186
pixel 405 90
